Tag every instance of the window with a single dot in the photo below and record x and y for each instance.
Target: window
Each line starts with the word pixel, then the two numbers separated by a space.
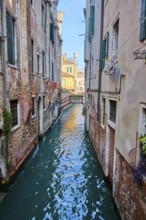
pixel 33 106
pixel 63 83
pixel 44 102
pixel 102 54
pixel 106 45
pixel 52 71
pixel 14 112
pixel 43 15
pixel 43 64
pixel 113 106
pixel 91 23
pixel 32 58
pixel 52 37
pixel 69 69
pixel 115 35
pixel 142 36
pixel 38 64
pixel 103 111
pixel 11 39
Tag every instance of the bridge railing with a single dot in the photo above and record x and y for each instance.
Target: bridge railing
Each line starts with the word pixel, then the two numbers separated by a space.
pixel 72 100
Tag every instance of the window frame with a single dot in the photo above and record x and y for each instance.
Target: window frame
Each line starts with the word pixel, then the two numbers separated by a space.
pixel 43 64
pixel 43 14
pixel 44 103
pixel 32 55
pixel 12 41
pixel 38 64
pixel 18 114
pixel 33 107
pixel 103 111
pixel 115 38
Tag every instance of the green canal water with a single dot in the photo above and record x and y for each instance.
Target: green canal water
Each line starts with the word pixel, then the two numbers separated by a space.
pixel 62 180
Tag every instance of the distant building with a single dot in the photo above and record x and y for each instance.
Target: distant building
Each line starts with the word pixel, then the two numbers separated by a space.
pixel 80 82
pixel 69 73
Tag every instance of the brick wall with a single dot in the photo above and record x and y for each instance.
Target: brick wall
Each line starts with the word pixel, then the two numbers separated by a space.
pixel 130 199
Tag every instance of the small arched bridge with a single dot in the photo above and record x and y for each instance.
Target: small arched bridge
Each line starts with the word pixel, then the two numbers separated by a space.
pixel 79 99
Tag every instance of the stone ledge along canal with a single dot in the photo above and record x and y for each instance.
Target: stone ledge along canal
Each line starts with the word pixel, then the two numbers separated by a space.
pixel 62 180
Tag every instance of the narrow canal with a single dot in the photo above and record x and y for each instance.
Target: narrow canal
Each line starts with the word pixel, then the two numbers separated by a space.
pixel 62 180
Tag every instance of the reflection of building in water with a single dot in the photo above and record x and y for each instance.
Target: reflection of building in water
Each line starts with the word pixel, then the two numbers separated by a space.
pixel 69 126
pixel 81 82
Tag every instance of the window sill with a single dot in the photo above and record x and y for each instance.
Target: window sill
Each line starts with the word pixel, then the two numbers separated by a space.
pixel 111 124
pixel 15 128
pixel 12 66
pixel 33 116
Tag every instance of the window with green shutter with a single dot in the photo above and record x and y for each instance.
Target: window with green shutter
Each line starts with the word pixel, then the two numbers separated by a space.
pixel 11 39
pixel 91 23
pixel 102 54
pixel 92 19
pixel 107 45
pixel 143 21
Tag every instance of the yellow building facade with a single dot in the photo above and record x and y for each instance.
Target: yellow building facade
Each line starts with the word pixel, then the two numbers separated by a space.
pixel 69 73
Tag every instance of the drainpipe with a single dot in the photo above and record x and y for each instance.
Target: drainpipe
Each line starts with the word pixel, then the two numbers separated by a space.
pixel 100 71
pixel 3 52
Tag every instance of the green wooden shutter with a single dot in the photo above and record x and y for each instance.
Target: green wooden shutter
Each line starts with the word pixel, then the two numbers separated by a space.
pixel 102 54
pixel 10 39
pixel 89 30
pixel 107 44
pixel 91 23
pixel 143 21
pixel 92 8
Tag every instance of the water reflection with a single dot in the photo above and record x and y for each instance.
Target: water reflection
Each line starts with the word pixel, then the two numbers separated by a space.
pixel 62 180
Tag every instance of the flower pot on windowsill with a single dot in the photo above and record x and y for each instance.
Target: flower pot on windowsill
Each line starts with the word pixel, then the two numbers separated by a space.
pixel 143 145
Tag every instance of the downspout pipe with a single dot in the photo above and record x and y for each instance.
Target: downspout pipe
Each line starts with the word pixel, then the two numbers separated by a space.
pixel 100 71
pixel 3 51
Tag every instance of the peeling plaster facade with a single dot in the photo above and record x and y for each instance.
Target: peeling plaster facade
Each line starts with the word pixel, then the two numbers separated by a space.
pixel 33 80
pixel 115 105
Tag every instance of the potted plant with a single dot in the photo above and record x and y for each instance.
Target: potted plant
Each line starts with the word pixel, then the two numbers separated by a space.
pixel 143 145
